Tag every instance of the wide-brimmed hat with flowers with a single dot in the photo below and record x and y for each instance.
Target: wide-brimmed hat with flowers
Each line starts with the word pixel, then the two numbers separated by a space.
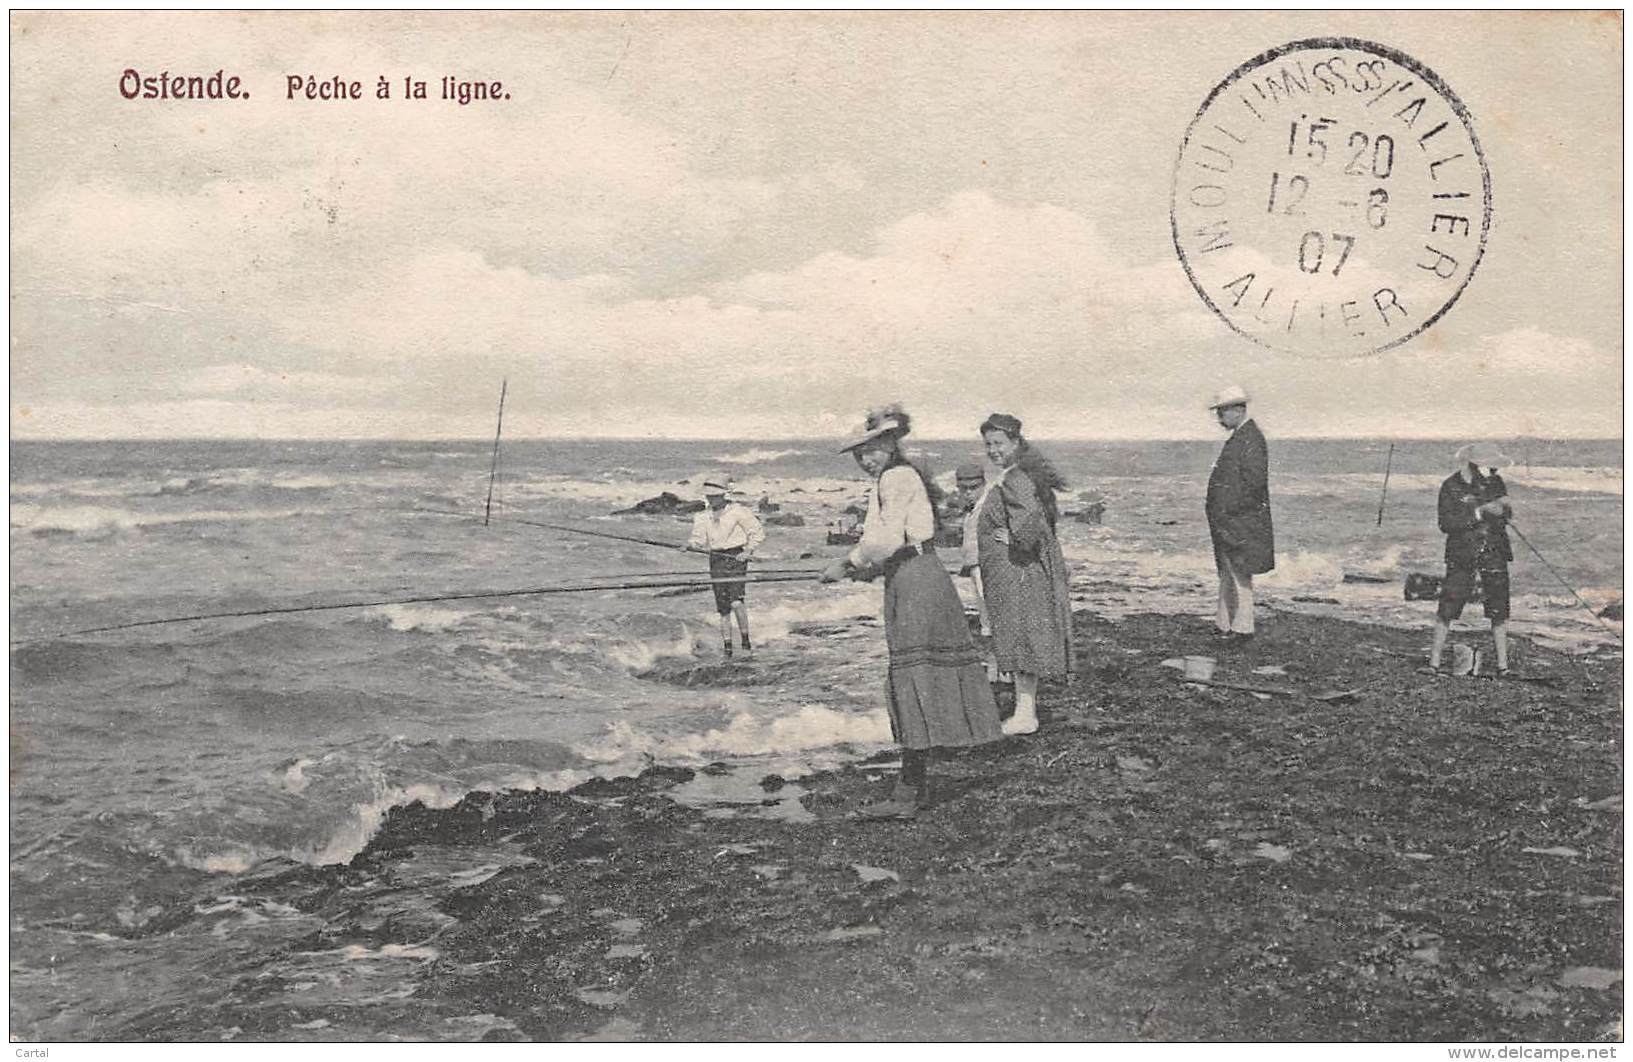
pixel 888 421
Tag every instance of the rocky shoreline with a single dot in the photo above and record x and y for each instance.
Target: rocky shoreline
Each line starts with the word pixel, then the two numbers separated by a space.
pixel 1417 858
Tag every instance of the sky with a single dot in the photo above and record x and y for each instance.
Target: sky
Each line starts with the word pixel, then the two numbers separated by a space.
pixel 748 225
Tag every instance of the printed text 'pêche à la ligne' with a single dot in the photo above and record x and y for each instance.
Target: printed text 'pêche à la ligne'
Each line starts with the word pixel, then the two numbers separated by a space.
pixel 220 85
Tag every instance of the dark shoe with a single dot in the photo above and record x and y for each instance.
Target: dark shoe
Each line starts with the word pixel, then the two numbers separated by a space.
pixel 726 650
pixel 746 645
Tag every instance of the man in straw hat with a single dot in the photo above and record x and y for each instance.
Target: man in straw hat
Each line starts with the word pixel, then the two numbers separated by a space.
pixel 1238 507
pixel 1474 512
pixel 731 533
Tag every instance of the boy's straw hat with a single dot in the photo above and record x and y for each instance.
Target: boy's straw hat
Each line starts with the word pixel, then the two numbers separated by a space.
pixel 1481 455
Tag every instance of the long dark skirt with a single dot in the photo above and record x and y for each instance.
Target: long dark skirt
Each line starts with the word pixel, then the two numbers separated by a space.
pixel 938 689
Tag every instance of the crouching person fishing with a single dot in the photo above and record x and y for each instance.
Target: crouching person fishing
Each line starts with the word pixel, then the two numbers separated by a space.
pixel 937 692
pixel 731 533
pixel 1473 514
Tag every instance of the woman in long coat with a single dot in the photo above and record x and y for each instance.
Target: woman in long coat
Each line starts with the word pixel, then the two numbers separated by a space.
pixel 938 694
pixel 1023 572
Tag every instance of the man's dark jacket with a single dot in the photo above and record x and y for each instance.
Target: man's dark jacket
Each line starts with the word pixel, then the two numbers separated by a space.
pixel 1239 501
pixel 1471 540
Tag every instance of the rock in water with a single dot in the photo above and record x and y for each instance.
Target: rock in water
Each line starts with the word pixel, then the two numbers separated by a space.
pixel 665 504
pixel 1612 611
pixel 1092 510
pixel 1094 514
pixel 785 520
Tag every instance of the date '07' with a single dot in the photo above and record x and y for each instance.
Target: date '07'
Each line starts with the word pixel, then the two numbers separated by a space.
pixel 1312 246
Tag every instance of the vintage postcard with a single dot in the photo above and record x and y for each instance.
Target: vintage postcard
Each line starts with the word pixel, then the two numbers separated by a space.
pixel 867 526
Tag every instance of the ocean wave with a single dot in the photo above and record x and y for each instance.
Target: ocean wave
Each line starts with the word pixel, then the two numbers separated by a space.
pixel 366 817
pixel 294 776
pixel 757 456
pixel 618 493
pixel 97 488
pixel 255 477
pixel 1578 480
pixel 772 622
pixel 639 654
pixel 821 490
pixel 98 519
pixel 521 641
pixel 1305 570
pixel 418 617
pixel 189 485
pixel 811 727
pixel 1581 479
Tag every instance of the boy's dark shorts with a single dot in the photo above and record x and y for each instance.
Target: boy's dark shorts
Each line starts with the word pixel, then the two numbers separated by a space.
pixel 1459 586
pixel 727 565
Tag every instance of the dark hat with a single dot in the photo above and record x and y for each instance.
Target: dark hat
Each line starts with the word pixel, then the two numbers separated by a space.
pixel 1003 422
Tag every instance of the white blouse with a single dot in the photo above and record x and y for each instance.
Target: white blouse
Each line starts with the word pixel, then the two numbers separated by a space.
pixel 736 526
pixel 898 515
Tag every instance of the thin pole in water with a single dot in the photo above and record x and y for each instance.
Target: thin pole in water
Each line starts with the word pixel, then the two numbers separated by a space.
pixel 1389 463
pixel 493 468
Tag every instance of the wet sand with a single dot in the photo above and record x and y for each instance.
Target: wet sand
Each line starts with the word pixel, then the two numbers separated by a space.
pixel 1430 859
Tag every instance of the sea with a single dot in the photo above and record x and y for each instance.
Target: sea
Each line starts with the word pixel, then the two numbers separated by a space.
pixel 170 763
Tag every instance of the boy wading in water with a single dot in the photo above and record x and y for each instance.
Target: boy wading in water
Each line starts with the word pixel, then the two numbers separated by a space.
pixel 730 532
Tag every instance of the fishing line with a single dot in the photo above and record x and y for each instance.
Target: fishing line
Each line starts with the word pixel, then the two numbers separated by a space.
pixel 426 599
pixel 595 534
pixel 1602 621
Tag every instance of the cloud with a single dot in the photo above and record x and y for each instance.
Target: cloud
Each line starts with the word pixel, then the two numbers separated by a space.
pixel 743 224
pixel 974 305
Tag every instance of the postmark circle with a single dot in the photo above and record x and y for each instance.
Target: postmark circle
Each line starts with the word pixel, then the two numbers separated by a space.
pixel 1330 198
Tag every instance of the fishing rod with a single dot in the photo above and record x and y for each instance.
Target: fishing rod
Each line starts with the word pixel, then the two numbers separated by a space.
pixel 573 530
pixel 583 531
pixel 1602 622
pixel 623 538
pixel 426 599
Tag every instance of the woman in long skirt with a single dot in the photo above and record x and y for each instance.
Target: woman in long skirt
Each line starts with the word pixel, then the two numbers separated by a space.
pixel 1023 572
pixel 938 694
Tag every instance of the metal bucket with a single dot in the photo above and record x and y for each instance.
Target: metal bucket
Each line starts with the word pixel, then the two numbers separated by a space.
pixel 1199 668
